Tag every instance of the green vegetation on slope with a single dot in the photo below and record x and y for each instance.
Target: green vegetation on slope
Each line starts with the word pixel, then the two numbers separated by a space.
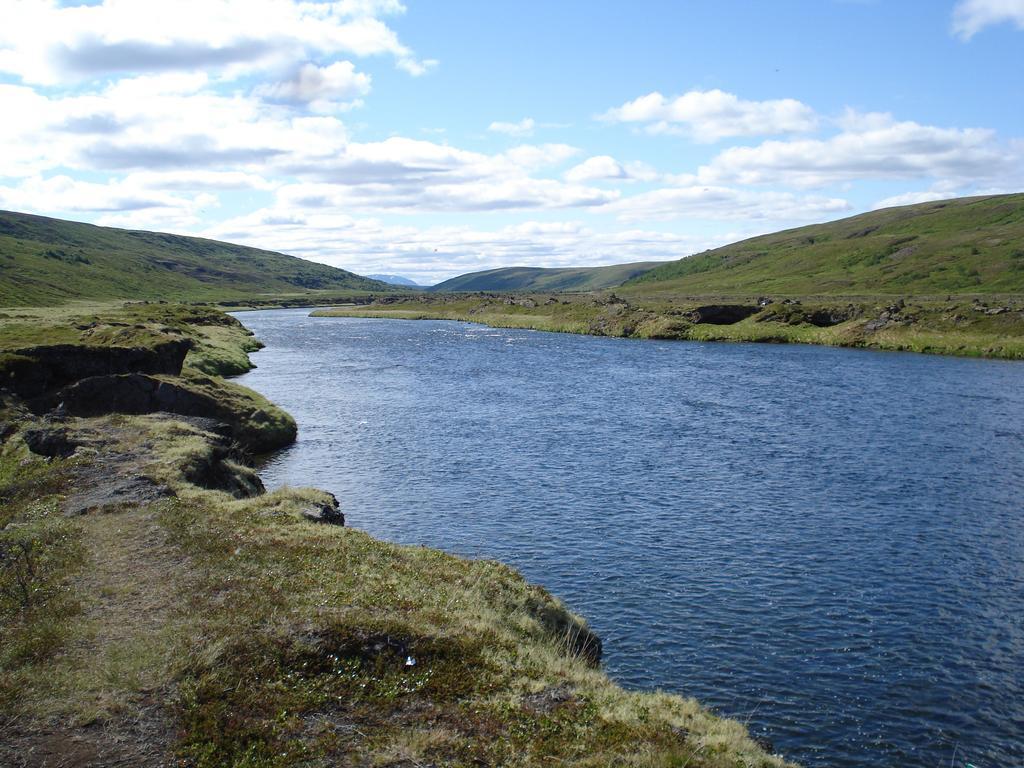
pixel 966 246
pixel 157 608
pixel 542 279
pixel 46 261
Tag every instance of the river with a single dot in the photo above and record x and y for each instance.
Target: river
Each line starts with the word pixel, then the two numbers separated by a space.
pixel 827 544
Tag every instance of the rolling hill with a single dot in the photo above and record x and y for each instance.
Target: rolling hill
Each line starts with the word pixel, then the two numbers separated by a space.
pixel 546 279
pixel 965 245
pixel 47 261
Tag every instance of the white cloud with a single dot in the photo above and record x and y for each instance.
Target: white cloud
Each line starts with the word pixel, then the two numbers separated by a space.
pixel 413 175
pixel 871 146
pixel 502 194
pixel 45 42
pixel 185 181
pixel 523 128
pixel 160 122
pixel 972 16
pixel 62 193
pixel 708 116
pixel 323 89
pixel 599 168
pixel 607 168
pixel 720 203
pixel 910 198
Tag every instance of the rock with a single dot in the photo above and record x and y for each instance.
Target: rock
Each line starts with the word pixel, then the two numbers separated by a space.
pixel 138 394
pixel 49 441
pixel 108 493
pixel 327 512
pixel 721 314
pixel 826 318
pixel 224 468
pixel 764 301
pixel 578 638
pixel 547 701
pixel 33 371
pixel 997 310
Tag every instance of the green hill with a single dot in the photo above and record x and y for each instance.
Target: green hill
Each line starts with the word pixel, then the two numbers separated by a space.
pixel 47 261
pixel 966 245
pixel 542 279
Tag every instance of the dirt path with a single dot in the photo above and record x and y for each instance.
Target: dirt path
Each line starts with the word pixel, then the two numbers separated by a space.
pixel 106 695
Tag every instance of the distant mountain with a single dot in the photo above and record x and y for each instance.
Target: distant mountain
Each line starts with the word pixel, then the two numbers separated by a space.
pixel 547 279
pixel 48 261
pixel 395 280
pixel 963 245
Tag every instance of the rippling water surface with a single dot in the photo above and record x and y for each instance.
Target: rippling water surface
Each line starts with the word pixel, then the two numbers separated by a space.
pixel 828 544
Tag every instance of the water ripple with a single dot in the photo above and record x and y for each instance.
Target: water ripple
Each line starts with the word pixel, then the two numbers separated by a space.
pixel 827 544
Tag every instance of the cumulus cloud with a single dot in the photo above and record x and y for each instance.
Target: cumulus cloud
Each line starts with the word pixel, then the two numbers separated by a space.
pixel 869 146
pixel 708 116
pixel 46 42
pixel 726 204
pixel 63 193
pixel 523 128
pixel 165 122
pixel 173 126
pixel 607 168
pixel 321 88
pixel 599 168
pixel 413 175
pixel 972 16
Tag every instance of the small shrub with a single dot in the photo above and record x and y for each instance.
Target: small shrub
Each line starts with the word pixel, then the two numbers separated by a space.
pixel 35 558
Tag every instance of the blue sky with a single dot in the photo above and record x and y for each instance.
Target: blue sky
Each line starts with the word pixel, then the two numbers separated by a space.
pixel 434 138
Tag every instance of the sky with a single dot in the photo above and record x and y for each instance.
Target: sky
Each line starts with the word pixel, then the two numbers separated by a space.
pixel 433 138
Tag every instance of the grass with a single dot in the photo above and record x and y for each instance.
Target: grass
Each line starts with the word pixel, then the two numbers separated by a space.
pixel 957 326
pixel 200 627
pixel 46 261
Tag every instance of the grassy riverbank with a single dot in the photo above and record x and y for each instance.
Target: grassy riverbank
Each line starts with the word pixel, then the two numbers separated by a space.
pixel 990 326
pixel 158 608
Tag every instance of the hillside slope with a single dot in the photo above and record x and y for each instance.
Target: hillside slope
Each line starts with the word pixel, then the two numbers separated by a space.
pixel 45 261
pixel 547 279
pixel 966 245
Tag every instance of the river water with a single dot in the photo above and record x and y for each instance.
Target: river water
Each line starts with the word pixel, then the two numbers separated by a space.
pixel 827 544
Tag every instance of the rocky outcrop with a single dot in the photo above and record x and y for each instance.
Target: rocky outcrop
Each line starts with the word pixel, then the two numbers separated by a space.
pixel 327 511
pixel 721 314
pixel 794 313
pixel 579 640
pixel 32 371
pixel 223 468
pixel 137 393
pixel 894 314
pixel 51 442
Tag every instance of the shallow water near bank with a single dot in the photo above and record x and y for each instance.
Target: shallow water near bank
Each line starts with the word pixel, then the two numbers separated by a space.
pixel 826 544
